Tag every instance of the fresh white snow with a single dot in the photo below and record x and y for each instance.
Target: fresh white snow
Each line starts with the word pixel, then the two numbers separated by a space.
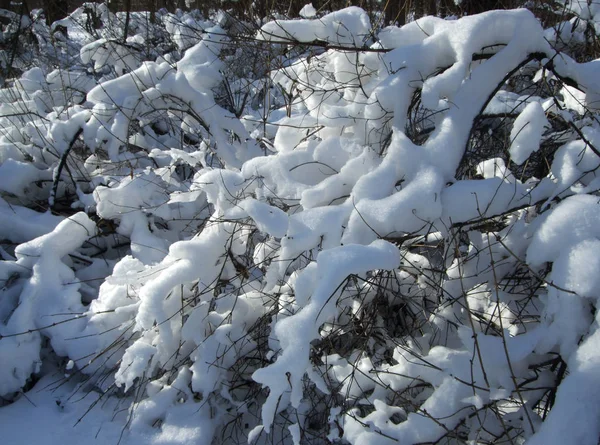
pixel 348 254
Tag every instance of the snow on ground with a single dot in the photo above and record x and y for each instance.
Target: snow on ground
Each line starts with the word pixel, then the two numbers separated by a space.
pixel 48 415
pixel 59 412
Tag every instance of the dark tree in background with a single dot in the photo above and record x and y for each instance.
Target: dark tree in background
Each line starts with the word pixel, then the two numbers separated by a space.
pixel 395 11
pixel 56 10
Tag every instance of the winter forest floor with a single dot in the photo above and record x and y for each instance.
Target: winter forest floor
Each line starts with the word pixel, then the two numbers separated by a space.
pixel 300 231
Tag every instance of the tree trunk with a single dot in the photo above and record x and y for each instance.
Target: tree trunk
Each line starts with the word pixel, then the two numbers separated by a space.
pixel 397 11
pixel 432 8
pixel 127 18
pixel 447 7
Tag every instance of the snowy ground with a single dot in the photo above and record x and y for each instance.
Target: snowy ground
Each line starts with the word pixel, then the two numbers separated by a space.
pixel 49 414
pixel 60 412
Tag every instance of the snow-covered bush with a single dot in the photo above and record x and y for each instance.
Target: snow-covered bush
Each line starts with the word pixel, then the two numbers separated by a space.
pixel 366 237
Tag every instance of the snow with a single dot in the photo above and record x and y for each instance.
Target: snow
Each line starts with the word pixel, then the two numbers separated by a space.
pixel 55 401
pixel 31 224
pixel 349 26
pixel 398 235
pixel 308 11
pixel 268 219
pixel 16 176
pixel 526 132
pixel 296 332
pixel 569 238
